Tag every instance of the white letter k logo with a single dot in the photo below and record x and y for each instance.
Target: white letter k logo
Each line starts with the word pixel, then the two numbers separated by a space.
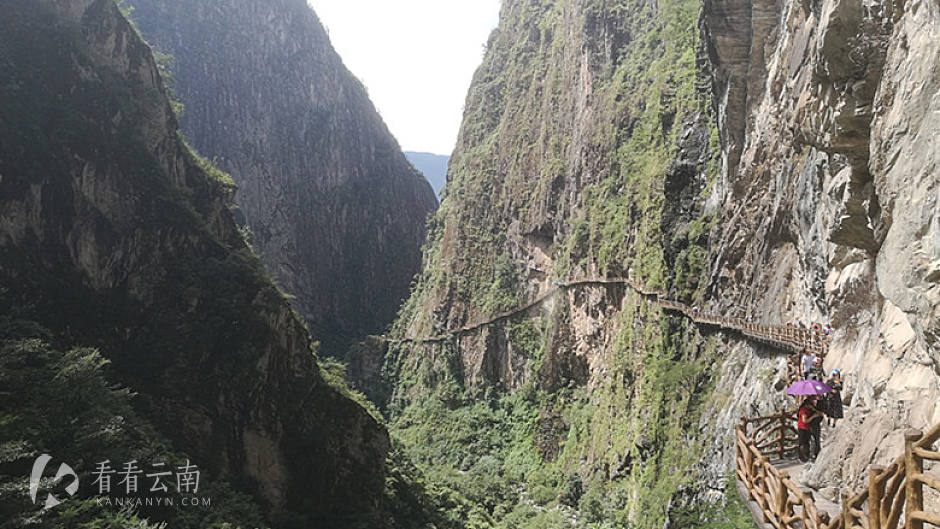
pixel 64 470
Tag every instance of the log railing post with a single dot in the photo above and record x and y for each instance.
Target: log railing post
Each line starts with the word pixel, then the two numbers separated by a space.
pixel 875 492
pixel 751 470
pixel 846 509
pixel 765 485
pixel 914 490
pixel 783 433
pixel 746 470
pixel 782 492
pixel 748 458
pixel 802 501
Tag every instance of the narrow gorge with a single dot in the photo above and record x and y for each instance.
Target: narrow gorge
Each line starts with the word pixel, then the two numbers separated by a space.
pixel 136 323
pixel 334 209
pixel 648 202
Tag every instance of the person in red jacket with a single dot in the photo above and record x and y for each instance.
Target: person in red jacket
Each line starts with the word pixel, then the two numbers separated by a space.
pixel 806 414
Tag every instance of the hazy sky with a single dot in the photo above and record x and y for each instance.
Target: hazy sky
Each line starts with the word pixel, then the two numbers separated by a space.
pixel 416 58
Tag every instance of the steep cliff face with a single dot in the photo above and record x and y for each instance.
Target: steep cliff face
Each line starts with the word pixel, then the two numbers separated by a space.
pixel 780 163
pixel 830 201
pixel 114 234
pixel 586 150
pixel 336 212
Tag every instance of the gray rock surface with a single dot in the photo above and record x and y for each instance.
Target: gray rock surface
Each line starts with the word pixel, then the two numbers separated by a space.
pixel 114 235
pixel 336 211
pixel 826 207
pixel 831 213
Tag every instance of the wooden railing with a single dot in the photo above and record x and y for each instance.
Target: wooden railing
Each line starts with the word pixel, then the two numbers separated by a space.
pixel 788 338
pixel 782 503
pixel 773 435
pixel 894 494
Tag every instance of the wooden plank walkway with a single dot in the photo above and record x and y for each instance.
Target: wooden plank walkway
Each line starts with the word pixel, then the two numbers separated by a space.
pixel 765 447
pixel 785 337
pixel 768 479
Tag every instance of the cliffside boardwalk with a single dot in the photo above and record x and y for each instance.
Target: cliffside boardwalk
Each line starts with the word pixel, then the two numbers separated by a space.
pixel 893 499
pixel 765 446
pixel 787 338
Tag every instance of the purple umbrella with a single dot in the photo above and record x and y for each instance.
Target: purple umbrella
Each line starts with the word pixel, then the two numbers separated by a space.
pixel 808 387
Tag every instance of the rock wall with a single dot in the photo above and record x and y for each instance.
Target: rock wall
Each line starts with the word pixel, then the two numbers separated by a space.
pixel 336 211
pixel 778 162
pixel 545 117
pixel 587 145
pixel 829 213
pixel 114 234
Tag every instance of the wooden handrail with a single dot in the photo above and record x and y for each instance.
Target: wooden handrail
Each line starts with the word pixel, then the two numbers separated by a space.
pixel 894 493
pixel 898 489
pixel 890 493
pixel 771 488
pixel 790 338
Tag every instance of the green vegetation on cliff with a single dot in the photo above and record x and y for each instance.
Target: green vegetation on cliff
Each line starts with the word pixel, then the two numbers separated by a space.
pixel 586 150
pixel 62 403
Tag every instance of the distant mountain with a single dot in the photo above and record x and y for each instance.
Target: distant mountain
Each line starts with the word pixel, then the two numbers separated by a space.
pixel 433 166
pixel 335 210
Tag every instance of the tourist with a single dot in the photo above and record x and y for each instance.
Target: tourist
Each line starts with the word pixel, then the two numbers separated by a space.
pixel 816 372
pixel 833 406
pixel 807 361
pixel 815 427
pixel 804 416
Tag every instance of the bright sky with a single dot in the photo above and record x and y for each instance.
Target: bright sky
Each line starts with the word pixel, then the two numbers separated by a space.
pixel 416 58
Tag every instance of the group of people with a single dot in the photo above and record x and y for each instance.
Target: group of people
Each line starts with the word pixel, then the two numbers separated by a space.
pixel 824 330
pixel 815 408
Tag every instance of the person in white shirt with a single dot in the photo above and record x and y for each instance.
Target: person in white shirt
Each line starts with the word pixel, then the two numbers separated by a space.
pixel 807 361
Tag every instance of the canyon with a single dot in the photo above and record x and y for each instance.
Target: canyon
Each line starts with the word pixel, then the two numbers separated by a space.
pixel 770 162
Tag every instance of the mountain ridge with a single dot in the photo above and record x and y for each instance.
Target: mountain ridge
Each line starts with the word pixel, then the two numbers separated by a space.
pixel 432 166
pixel 335 210
pixel 115 235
